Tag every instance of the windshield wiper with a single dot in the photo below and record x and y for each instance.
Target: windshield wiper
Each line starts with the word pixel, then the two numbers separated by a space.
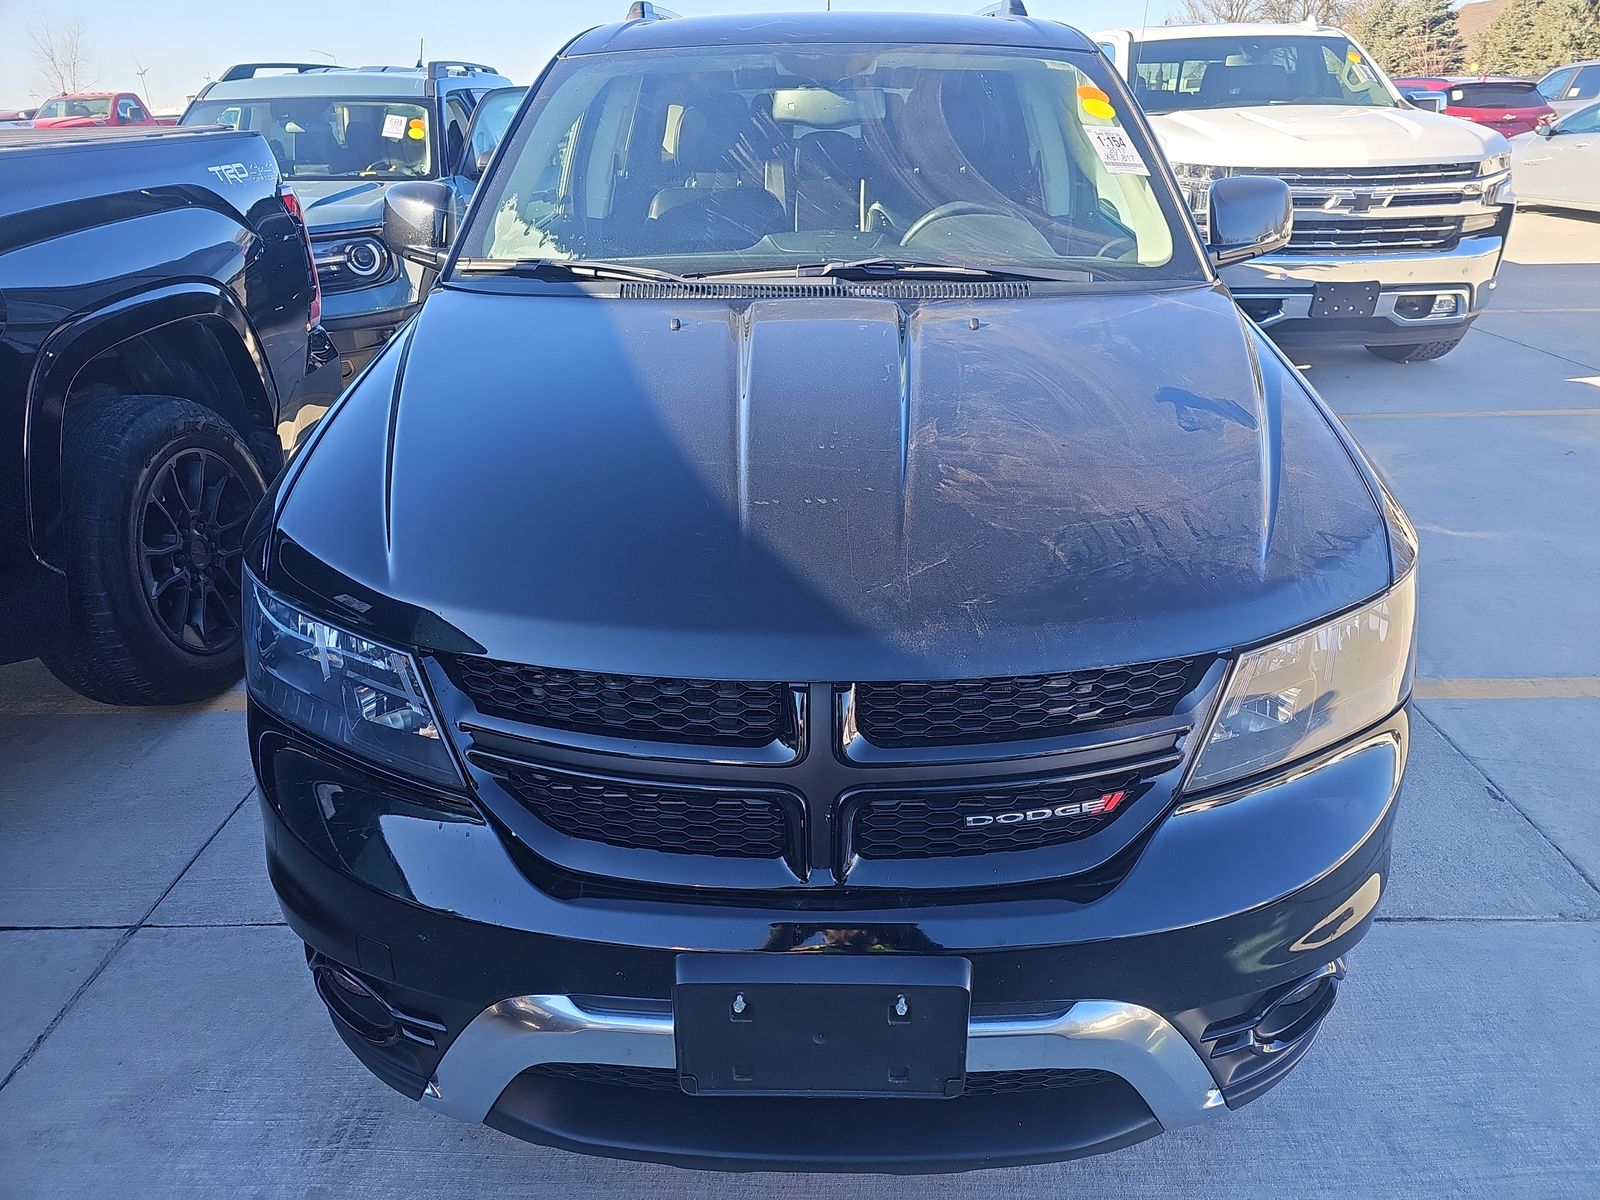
pixel 564 268
pixel 885 267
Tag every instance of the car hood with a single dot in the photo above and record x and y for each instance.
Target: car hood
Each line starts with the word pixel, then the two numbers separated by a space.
pixel 830 487
pixel 335 205
pixel 1290 136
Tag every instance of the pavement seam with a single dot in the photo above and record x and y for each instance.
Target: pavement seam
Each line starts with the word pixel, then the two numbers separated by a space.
pixel 1500 793
pixel 1483 328
pixel 127 933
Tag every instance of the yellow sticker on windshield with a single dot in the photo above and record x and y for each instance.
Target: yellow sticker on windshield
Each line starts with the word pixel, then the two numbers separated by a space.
pixel 416 130
pixel 1354 56
pixel 1101 109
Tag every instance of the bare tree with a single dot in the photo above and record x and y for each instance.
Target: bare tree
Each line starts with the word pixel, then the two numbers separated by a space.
pixel 61 55
pixel 1208 11
pixel 1323 11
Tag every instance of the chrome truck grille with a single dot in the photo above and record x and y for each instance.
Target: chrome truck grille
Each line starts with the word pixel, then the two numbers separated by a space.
pixel 1380 210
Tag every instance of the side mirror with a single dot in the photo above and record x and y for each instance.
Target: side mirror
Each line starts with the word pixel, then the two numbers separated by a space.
pixel 1545 129
pixel 1429 101
pixel 416 221
pixel 1251 215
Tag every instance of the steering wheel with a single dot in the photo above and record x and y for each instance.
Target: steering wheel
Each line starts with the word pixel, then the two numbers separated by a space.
pixel 1123 244
pixel 377 167
pixel 956 208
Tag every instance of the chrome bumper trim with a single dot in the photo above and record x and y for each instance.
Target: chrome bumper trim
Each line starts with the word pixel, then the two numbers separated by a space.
pixel 1296 306
pixel 1125 1039
pixel 1471 264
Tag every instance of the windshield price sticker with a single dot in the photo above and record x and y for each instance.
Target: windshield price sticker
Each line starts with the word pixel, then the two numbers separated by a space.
pixel 394 127
pixel 1117 151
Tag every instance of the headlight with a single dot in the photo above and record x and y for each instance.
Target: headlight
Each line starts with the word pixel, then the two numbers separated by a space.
pixel 1303 694
pixel 1495 164
pixel 1195 180
pixel 347 263
pixel 346 689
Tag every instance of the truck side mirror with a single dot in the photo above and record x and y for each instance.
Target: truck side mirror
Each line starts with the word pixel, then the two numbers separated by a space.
pixel 1424 99
pixel 416 221
pixel 1251 215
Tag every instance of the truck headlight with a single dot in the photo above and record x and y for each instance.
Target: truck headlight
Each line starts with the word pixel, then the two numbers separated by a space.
pixel 1495 164
pixel 1310 691
pixel 344 688
pixel 1195 180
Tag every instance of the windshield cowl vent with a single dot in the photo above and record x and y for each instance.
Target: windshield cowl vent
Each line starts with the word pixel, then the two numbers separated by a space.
pixel 892 289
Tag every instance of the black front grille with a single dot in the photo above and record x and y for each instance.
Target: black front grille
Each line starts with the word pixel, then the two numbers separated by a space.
pixel 968 711
pixel 711 712
pixel 918 823
pixel 979 1083
pixel 720 822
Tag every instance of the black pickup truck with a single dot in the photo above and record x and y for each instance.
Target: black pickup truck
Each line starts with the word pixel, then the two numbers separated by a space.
pixel 160 347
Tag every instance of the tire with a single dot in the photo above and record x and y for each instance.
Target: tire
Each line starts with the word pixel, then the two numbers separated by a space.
pixel 135 470
pixel 1416 351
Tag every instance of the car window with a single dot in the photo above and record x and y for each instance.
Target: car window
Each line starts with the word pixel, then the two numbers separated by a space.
pixel 1586 85
pixel 1585 120
pixel 331 138
pixel 492 118
pixel 723 160
pixel 1496 95
pixel 456 119
pixel 75 107
pixel 1553 85
pixel 1250 72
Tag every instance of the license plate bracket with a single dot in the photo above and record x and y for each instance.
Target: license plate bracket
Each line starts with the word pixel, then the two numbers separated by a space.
pixel 824 1025
pixel 1345 299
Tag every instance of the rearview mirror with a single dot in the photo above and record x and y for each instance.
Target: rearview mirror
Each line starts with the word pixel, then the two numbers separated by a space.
pixel 1251 215
pixel 416 221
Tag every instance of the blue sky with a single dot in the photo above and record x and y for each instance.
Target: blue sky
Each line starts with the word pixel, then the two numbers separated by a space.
pixel 181 42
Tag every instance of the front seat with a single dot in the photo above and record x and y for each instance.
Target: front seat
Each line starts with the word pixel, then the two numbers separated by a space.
pixel 722 203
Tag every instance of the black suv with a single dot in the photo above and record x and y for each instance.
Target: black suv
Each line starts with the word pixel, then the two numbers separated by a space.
pixel 830 643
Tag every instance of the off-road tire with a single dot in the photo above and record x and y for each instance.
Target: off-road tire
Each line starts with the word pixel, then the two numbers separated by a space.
pixel 1415 351
pixel 115 448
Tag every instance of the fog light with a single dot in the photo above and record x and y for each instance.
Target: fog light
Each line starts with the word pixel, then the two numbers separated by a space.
pixel 1445 306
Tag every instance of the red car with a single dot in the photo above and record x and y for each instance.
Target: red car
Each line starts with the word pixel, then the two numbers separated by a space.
pixel 1508 106
pixel 77 110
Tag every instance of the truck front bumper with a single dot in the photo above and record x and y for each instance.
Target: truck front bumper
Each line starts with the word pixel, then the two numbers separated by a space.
pixel 1279 292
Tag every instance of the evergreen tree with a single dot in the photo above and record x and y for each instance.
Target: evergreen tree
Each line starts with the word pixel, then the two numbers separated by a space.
pixel 1414 37
pixel 1515 42
pixel 1569 32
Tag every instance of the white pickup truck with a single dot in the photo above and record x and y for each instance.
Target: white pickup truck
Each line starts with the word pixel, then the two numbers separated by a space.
pixel 1400 213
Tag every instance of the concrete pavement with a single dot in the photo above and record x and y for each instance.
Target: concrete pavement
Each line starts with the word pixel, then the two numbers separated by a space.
pixel 158 1036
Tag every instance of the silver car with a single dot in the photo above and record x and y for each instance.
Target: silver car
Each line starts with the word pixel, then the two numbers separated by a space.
pixel 1559 164
pixel 1570 87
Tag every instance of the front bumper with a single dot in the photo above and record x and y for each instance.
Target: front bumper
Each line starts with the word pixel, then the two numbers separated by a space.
pixel 1277 290
pixel 1193 985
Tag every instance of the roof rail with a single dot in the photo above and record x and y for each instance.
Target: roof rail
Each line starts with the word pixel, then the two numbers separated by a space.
pixel 251 70
pixel 444 67
pixel 643 11
pixel 1007 8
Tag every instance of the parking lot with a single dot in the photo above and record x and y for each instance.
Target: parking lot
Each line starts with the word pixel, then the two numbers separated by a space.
pixel 160 1037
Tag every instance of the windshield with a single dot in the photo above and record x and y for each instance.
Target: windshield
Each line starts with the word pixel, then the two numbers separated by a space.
pixel 722 161
pixel 316 138
pixel 1250 72
pixel 51 110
